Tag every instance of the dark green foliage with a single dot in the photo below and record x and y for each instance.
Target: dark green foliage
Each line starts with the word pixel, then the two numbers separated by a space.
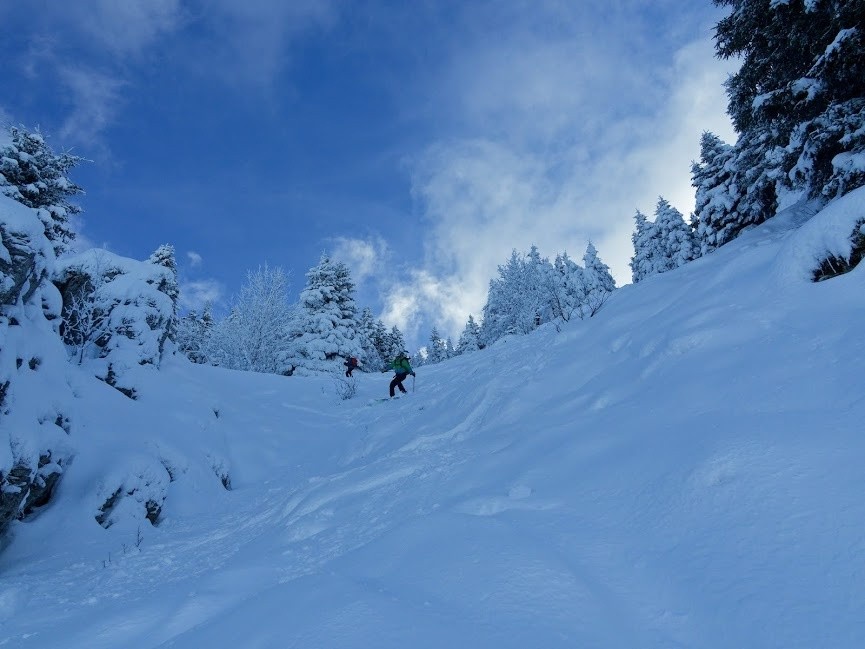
pixel 798 103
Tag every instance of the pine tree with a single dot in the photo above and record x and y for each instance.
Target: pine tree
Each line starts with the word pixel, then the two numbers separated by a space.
pixel 676 245
pixel 798 99
pixel 32 174
pixel 371 360
pixel 470 338
pixel 598 283
pixel 164 256
pixel 437 349
pixel 715 197
pixel 518 300
pixel 381 341
pixel 394 344
pixel 565 287
pixel 326 320
pixel 644 239
pixel 192 334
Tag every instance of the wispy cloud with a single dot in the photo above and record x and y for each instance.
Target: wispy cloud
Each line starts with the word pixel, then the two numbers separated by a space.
pixel 197 294
pixel 365 258
pixel 97 47
pixel 194 258
pixel 95 97
pixel 250 41
pixel 122 28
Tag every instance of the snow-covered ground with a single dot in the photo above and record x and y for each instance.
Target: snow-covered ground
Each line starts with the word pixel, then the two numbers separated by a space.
pixel 682 470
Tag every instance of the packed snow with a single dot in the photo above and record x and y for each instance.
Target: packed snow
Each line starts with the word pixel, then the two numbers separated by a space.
pixel 683 469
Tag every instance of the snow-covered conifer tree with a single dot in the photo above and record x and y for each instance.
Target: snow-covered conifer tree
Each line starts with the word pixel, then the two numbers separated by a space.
pixel 381 341
pixel 327 320
pixel 32 174
pixel 394 344
pixel 192 334
pixel 371 361
pixel 470 338
pixel 164 256
pixel 715 200
pixel 643 238
pixel 797 101
pixel 598 283
pixel 436 350
pixel 565 287
pixel 663 245
pixel 676 243
pixel 537 273
pixel 513 299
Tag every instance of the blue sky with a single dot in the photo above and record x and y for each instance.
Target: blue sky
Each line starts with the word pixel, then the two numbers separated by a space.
pixel 419 142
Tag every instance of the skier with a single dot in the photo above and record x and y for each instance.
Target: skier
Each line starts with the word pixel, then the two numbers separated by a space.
pixel 402 367
pixel 351 364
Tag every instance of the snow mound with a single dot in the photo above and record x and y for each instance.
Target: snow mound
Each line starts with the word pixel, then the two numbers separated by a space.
pixel 828 234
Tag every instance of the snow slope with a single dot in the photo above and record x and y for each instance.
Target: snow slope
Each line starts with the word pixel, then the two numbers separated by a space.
pixel 682 470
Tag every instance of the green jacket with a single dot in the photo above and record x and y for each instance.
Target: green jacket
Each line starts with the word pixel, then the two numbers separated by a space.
pixel 400 365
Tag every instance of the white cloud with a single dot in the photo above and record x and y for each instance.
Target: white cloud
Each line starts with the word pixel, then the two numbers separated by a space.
pixel 194 258
pixel 196 295
pixel 559 142
pixel 408 305
pixel 126 27
pixel 95 98
pixel 366 258
pixel 254 36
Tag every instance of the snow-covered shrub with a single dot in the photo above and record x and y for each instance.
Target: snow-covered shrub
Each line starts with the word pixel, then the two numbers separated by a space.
pixel 831 243
pixel 833 265
pixel 345 387
pixel 136 494
pixel 115 314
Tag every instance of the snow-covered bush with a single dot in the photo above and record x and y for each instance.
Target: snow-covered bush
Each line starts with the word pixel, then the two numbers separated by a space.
pixel 136 494
pixel 345 387
pixel 831 243
pixel 115 313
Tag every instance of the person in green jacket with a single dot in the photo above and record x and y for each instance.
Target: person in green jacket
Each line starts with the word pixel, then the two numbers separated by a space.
pixel 402 367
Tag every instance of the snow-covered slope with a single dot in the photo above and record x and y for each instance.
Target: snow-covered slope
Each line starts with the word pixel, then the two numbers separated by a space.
pixel 682 470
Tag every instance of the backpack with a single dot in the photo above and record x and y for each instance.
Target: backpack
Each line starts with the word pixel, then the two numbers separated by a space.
pixel 353 361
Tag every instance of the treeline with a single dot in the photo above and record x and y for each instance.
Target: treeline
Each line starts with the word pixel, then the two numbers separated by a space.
pixel 264 332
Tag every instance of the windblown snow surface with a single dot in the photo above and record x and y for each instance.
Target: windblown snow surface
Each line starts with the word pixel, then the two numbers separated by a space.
pixel 685 469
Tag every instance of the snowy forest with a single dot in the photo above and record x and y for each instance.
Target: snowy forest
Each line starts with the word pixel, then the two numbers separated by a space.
pixel 797 102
